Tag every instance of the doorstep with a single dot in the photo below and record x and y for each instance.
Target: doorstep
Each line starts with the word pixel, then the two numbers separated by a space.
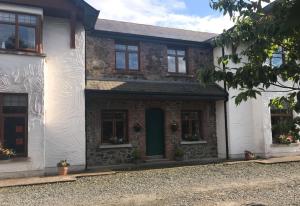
pixel 49 180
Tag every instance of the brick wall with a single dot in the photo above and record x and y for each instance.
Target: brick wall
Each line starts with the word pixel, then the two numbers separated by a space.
pixel 136 114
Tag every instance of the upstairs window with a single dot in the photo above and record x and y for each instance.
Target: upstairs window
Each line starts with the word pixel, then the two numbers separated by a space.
pixel 18 31
pixel 127 57
pixel 191 126
pixel 177 61
pixel 277 58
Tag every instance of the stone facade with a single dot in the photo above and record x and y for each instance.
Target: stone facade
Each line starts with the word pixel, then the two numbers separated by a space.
pixel 97 155
pixel 153 61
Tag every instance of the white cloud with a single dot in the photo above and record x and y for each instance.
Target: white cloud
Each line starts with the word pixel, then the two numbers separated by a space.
pixel 159 12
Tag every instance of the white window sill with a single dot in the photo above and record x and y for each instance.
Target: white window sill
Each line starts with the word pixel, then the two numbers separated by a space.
pixel 115 146
pixel 15 160
pixel 193 142
pixel 286 145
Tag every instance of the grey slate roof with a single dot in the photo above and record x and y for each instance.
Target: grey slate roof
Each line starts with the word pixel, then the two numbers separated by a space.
pixel 152 31
pixel 157 88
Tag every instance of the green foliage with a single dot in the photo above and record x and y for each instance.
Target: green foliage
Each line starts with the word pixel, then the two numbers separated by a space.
pixel 63 163
pixel 136 154
pixel 261 32
pixel 179 152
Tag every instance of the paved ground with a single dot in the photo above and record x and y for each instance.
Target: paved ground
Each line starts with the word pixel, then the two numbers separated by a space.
pixel 225 185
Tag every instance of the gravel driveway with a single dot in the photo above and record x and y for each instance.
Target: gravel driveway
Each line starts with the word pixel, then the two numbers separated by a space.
pixel 225 185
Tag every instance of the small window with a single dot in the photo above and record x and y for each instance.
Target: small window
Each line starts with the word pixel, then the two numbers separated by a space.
pixel 177 61
pixel 13 116
pixel 127 57
pixel 191 126
pixel 114 127
pixel 19 31
pixel 282 121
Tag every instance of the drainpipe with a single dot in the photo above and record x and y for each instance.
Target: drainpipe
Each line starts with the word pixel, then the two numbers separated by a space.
pixel 225 112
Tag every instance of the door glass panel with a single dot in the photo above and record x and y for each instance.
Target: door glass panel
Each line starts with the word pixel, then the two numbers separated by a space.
pixel 14 134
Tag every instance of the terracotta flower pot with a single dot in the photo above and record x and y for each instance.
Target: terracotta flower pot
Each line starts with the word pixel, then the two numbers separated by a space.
pixel 63 171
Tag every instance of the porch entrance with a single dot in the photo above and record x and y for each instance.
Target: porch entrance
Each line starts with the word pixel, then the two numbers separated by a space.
pixel 155 142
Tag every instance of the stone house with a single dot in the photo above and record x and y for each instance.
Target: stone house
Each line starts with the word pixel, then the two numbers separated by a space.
pixel 143 96
pixel 42 82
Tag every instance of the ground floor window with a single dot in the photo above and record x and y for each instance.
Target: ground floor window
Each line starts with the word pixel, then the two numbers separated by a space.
pixel 191 126
pixel 114 127
pixel 13 122
pixel 282 121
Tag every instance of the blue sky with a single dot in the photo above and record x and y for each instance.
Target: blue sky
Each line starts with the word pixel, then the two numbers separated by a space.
pixel 184 14
pixel 199 7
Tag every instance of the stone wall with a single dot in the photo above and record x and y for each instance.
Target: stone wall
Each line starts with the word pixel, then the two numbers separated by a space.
pixel 153 60
pixel 99 156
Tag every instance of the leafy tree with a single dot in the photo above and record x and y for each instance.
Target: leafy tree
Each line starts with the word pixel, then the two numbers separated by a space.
pixel 262 32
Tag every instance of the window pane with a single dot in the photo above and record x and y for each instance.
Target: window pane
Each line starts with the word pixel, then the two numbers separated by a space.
pixel 120 60
pixel 15 134
pixel 26 37
pixel 171 52
pixel 120 130
pixel 277 62
pixel 185 129
pixel 27 19
pixel 7 17
pixel 181 52
pixel 120 47
pixel 7 36
pixel 107 133
pixel 133 48
pixel 181 65
pixel 14 104
pixel 133 61
pixel 195 128
pixel 171 64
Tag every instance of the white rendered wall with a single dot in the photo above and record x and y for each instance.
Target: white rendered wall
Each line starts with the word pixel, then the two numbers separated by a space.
pixel 24 74
pixel 64 94
pixel 249 124
pixel 244 124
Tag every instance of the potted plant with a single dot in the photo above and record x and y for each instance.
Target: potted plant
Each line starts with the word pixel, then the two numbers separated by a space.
pixel 63 167
pixel 179 154
pixel 137 127
pixel 136 156
pixel 174 126
pixel 285 139
pixel 6 154
pixel 114 140
pixel 249 155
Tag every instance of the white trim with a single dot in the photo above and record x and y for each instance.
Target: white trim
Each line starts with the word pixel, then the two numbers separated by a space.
pixel 21 9
pixel 286 145
pixel 112 146
pixel 193 142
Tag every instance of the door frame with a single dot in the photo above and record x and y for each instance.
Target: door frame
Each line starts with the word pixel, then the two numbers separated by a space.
pixel 164 128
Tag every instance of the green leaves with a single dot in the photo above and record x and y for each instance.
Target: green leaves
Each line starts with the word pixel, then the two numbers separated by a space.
pixel 260 32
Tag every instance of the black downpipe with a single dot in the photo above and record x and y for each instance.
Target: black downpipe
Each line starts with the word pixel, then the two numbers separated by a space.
pixel 85 60
pixel 225 112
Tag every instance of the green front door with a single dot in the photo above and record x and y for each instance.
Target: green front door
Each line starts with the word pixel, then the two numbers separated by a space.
pixel 155 132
